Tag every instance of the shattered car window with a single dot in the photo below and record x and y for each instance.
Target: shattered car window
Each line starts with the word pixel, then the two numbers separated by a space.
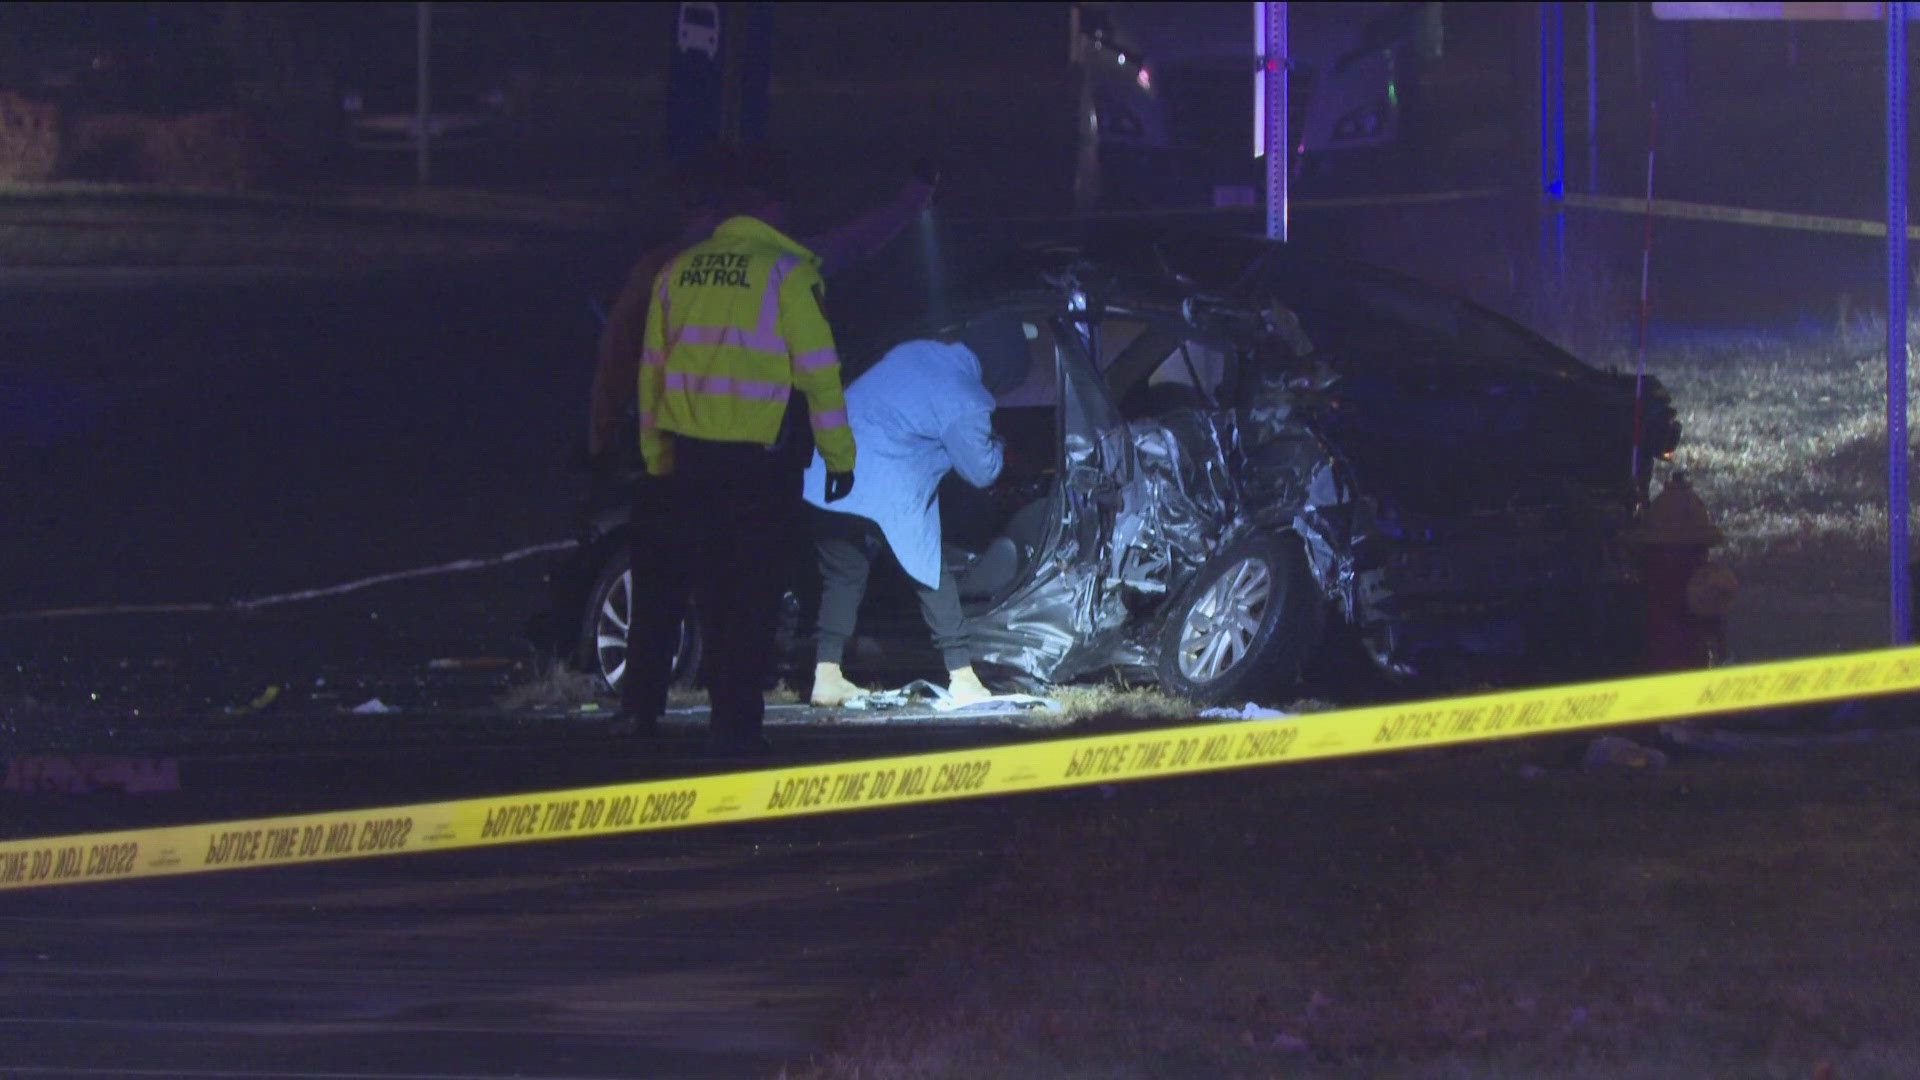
pixel 1041 387
pixel 1195 365
pixel 1116 336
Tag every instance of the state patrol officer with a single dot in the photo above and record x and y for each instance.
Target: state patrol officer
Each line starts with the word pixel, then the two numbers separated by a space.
pixel 734 327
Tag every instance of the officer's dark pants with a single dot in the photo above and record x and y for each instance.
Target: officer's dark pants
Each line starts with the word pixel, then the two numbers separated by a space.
pixel 721 530
pixel 847 545
pixel 654 612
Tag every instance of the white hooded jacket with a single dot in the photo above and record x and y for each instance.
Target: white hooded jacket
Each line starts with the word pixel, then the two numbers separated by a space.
pixel 918 413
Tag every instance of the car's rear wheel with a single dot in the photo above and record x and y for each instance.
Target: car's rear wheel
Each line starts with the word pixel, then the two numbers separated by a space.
pixel 1245 626
pixel 608 618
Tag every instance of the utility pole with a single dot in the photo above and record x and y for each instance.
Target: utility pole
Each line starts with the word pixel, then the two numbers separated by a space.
pixel 1270 96
pixel 1553 137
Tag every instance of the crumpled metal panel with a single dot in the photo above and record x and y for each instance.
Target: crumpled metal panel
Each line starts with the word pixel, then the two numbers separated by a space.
pixel 1061 622
pixel 1160 523
pixel 1139 516
pixel 1181 501
pixel 1290 479
pixel 1177 508
pixel 1038 629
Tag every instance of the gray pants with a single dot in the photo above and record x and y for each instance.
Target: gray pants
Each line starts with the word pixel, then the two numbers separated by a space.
pixel 847 545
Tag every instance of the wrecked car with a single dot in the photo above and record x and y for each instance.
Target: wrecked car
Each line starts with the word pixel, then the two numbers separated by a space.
pixel 1231 457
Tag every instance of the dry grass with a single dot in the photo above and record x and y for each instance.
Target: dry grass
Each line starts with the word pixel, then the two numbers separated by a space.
pixel 1097 708
pixel 693 697
pixel 1786 442
pixel 1115 708
pixel 29 140
pixel 558 688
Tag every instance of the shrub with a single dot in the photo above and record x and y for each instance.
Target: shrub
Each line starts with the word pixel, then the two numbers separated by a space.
pixel 105 148
pixel 222 150
pixel 29 140
pixel 216 150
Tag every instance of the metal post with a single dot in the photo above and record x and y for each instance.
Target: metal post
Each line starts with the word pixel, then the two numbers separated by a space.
pixel 1897 322
pixel 1639 72
pixel 1553 135
pixel 423 90
pixel 730 74
pixel 1272 32
pixel 1593 99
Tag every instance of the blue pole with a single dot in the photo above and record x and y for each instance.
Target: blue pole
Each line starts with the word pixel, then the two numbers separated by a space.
pixel 1553 133
pixel 1897 322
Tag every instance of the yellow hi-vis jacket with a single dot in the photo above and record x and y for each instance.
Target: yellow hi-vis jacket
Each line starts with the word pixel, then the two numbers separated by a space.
pixel 733 328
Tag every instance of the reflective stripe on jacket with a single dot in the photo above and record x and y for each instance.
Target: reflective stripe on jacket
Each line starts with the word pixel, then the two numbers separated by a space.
pixel 733 328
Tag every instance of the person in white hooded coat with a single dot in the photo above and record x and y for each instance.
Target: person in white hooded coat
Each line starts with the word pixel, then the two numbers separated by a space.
pixel 924 410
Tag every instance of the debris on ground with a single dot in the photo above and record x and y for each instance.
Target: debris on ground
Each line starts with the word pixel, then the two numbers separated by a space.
pixel 373 706
pixel 260 701
pixel 921 692
pixel 1249 711
pixel 1618 750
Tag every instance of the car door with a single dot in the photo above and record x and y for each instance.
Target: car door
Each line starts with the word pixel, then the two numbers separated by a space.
pixel 1062 619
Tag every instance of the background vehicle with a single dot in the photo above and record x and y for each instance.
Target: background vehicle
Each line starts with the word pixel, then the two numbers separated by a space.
pixel 1227 450
pixel 473 71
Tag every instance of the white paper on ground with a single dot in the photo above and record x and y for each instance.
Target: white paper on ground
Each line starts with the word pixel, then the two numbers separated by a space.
pixel 922 692
pixel 1249 711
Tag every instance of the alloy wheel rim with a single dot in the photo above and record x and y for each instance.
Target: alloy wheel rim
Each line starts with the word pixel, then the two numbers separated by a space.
pixel 1221 624
pixel 612 625
pixel 610 629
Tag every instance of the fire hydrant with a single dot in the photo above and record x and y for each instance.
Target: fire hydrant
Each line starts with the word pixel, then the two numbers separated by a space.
pixel 1687 595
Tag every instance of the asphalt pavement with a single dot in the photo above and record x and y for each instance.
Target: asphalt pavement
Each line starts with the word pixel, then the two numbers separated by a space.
pixel 723 953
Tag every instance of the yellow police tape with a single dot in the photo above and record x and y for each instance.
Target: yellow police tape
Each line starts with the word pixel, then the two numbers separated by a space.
pixel 1692 211
pixel 924 778
pixel 1343 202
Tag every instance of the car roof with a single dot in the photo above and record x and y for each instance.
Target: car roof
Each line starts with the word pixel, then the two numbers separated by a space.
pixel 1146 263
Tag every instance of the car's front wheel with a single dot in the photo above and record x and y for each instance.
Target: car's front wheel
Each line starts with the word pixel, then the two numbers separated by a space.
pixel 609 617
pixel 1245 626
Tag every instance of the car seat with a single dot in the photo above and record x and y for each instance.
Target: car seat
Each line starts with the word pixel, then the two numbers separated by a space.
pixel 992 571
pixel 1002 562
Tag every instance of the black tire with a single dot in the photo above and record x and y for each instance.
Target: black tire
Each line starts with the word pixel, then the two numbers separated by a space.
pixel 1285 623
pixel 609 609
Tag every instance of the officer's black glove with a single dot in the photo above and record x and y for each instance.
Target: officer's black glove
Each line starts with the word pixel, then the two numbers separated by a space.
pixel 838 485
